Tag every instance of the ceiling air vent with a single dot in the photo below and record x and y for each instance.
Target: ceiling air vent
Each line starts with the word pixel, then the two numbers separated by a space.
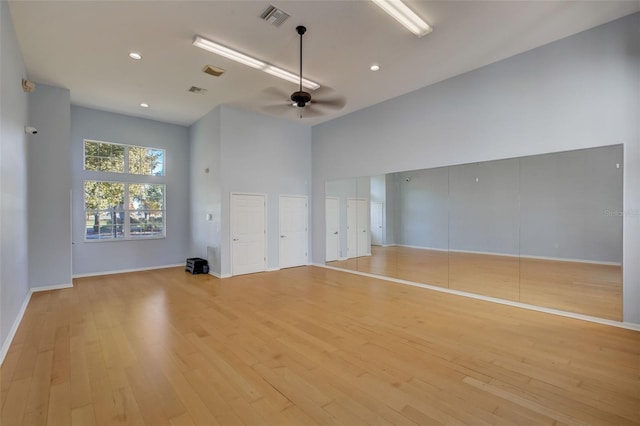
pixel 211 70
pixel 274 16
pixel 198 90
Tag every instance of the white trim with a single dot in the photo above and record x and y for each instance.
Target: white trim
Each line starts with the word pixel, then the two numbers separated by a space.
pixel 123 271
pixel 560 259
pixel 277 268
pixel 419 247
pixel 618 324
pixel 51 287
pixel 557 259
pixel 220 276
pixel 14 328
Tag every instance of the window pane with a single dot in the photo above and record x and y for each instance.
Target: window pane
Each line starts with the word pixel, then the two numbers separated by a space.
pixel 144 224
pixel 105 157
pixel 103 195
pixel 146 196
pixel 92 163
pixel 91 149
pixel 146 161
pixel 101 225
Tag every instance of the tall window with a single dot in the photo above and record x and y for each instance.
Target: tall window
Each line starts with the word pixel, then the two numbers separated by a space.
pixel 120 210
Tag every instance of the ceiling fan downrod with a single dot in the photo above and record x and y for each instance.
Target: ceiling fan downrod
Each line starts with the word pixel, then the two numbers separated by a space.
pixel 301 98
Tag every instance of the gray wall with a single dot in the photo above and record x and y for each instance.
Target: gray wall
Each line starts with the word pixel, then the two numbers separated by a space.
pixel 422 208
pixel 205 187
pixel 14 283
pixel 569 205
pixel 561 206
pixel 579 92
pixel 98 257
pixel 49 188
pixel 265 155
pixel 483 207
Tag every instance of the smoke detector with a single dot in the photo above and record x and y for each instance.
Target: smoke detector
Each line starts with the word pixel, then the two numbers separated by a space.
pixel 274 16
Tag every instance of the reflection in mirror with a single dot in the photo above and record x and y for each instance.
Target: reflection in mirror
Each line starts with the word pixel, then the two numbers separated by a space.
pixel 571 231
pixel 422 226
pixel 340 247
pixel 544 230
pixel 483 228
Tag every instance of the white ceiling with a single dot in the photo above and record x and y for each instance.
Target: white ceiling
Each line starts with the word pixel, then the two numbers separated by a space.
pixel 84 45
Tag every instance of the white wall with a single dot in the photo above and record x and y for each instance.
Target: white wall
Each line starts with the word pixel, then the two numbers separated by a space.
pixel 204 141
pixel 261 154
pixel 49 189
pixel 99 257
pixel 581 91
pixel 14 284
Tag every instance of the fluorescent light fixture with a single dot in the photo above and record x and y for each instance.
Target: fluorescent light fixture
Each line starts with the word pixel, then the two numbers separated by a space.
pixel 218 49
pixel 221 50
pixel 289 76
pixel 401 13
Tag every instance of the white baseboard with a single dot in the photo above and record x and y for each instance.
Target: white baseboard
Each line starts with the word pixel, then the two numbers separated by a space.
pixel 421 248
pixel 619 324
pixel 273 269
pixel 523 256
pixel 14 328
pixel 124 271
pixel 215 274
pixel 50 287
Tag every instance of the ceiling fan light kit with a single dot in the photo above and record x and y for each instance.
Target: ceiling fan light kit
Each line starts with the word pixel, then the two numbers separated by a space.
pixel 241 58
pixel 407 17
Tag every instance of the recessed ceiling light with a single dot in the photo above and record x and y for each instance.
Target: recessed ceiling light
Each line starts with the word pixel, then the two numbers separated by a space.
pixel 144 105
pixel 135 55
pixel 234 55
pixel 407 17
pixel 374 67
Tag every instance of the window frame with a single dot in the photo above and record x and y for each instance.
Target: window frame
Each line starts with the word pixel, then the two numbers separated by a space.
pixel 126 211
pixel 126 165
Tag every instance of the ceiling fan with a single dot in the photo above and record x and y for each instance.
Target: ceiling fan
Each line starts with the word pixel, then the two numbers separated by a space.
pixel 302 102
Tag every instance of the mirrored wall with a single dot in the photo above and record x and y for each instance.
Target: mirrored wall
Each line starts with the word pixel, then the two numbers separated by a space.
pixel 544 230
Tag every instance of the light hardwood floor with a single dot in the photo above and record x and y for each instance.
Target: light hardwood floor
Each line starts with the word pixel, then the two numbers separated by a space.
pixel 584 288
pixel 307 346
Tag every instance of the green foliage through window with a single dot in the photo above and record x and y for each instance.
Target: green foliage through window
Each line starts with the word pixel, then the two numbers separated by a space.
pixel 115 210
pixel 117 158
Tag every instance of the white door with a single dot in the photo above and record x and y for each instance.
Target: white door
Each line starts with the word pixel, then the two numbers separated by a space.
pixel 332 218
pixel 376 223
pixel 248 233
pixel 364 234
pixel 358 242
pixel 293 231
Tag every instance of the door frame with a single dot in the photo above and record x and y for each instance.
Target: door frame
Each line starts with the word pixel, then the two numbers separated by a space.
pixel 306 200
pixel 266 228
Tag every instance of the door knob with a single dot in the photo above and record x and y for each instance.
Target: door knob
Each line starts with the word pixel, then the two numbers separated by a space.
pixel 335 233
pixel 282 236
pixel 235 239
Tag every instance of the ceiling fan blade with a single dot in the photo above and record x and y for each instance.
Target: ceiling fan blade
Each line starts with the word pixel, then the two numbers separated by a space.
pixel 276 93
pixel 310 112
pixel 332 103
pixel 278 109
